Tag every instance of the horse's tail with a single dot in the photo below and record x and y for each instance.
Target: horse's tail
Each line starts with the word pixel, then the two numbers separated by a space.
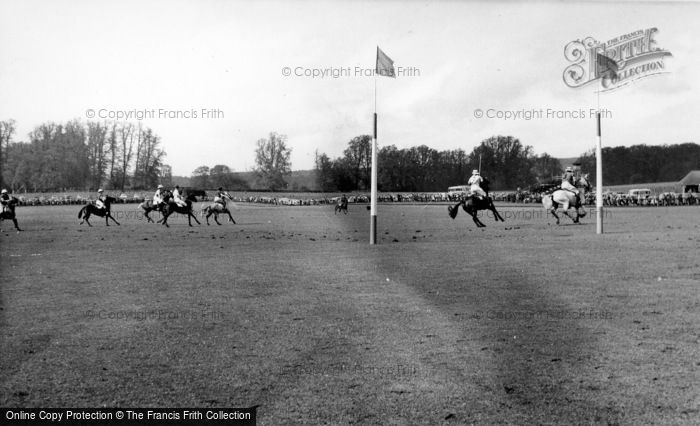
pixel 548 201
pixel 453 210
pixel 80 213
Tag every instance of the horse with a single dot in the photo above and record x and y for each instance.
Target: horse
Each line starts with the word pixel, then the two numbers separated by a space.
pixel 91 209
pixel 148 206
pixel 561 198
pixel 218 208
pixel 172 207
pixel 342 206
pixel 8 213
pixel 473 204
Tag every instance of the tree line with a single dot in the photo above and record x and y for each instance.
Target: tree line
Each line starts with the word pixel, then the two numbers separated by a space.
pixel 504 160
pixel 643 163
pixel 121 155
pixel 73 155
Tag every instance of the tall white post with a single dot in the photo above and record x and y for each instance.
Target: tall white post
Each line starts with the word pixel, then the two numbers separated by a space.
pixel 599 180
pixel 373 195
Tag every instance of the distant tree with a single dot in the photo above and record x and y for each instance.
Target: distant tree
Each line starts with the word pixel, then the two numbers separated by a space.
pixel 587 161
pixel 113 151
pixel 97 152
pixel 358 156
pixel 272 161
pixel 19 167
pixel 324 172
pixel 149 168
pixel 218 175
pixel 221 176
pixel 126 134
pixel 200 177
pixel 343 176
pixel 546 168
pixel 505 161
pixel 7 130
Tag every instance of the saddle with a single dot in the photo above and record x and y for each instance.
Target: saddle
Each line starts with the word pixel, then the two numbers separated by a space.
pixel 576 195
pixel 479 198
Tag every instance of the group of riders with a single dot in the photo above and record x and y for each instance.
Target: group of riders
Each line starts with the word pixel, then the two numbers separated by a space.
pixel 160 199
pixel 567 184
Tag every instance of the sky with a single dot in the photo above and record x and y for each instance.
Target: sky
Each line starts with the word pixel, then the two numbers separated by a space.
pixel 170 62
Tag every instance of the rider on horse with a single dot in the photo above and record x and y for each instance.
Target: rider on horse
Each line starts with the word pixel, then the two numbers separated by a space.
pixel 158 197
pixel 567 184
pixel 475 183
pixel 100 201
pixel 219 197
pixel 5 200
pixel 177 197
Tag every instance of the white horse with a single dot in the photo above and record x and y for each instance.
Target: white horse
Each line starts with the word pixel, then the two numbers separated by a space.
pixel 564 200
pixel 218 208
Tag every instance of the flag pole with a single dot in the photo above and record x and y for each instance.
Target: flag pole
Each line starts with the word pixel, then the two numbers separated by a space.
pixel 599 178
pixel 373 185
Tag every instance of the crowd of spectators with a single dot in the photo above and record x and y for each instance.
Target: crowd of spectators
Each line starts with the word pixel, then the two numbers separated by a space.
pixel 614 199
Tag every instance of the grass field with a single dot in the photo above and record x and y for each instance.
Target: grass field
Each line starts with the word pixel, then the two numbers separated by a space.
pixel 522 322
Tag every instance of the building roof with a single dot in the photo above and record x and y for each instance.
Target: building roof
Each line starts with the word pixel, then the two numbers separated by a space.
pixel 692 178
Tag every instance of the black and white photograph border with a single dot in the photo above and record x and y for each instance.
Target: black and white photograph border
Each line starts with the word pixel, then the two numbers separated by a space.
pixel 325 212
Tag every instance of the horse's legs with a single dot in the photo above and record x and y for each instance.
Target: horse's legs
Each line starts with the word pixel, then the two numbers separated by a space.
pixel 479 223
pixel 164 213
pixel 555 215
pixel 207 216
pixel 230 217
pixel 574 219
pixel 473 212
pixel 189 214
pixel 497 216
pixel 109 215
pixel 147 216
pixel 216 219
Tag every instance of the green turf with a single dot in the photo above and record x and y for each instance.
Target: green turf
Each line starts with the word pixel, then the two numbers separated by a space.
pixel 290 309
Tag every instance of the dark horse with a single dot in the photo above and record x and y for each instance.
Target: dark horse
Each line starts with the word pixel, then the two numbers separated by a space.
pixel 9 214
pixel 92 209
pixel 342 206
pixel 172 207
pixel 148 206
pixel 473 204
